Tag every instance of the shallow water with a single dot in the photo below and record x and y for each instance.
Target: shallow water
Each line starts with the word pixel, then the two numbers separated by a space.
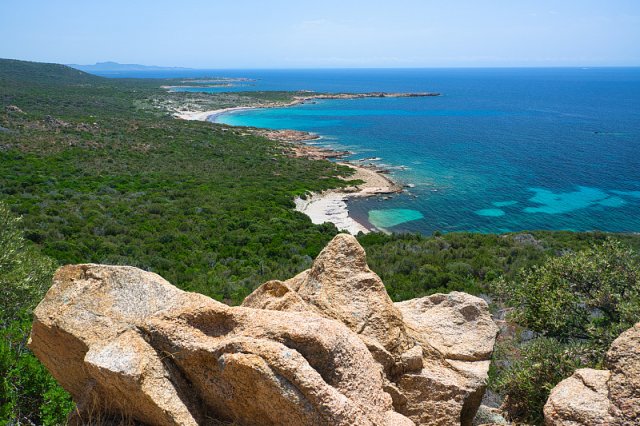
pixel 500 150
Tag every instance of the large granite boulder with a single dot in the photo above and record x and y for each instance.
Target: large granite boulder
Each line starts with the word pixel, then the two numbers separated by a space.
pixel 457 335
pixel 327 347
pixel 435 351
pixel 601 397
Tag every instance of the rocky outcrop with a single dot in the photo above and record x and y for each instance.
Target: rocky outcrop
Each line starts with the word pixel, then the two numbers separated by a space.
pixel 325 347
pixel 457 335
pixel 435 351
pixel 601 397
pixel 54 123
pixel 13 109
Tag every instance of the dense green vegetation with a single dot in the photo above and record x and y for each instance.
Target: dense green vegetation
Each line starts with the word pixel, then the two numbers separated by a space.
pixel 204 206
pixel 27 392
pixel 415 265
pixel 100 172
pixel 576 305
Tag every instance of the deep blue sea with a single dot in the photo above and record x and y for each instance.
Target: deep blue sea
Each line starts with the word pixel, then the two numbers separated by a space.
pixel 501 150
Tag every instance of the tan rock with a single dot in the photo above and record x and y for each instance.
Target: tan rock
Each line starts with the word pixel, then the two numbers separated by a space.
pixel 457 334
pixel 623 360
pixel 435 351
pixel 125 343
pixel 326 347
pixel 85 332
pixel 580 400
pixel 601 397
pixel 457 324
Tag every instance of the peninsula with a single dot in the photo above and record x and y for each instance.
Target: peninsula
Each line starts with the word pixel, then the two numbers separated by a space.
pixel 296 99
pixel 330 205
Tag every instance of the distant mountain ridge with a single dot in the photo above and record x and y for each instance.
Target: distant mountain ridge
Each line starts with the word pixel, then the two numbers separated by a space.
pixel 111 66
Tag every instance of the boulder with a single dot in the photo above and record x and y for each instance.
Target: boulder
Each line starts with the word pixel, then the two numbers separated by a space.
pixel 128 345
pixel 601 397
pixel 435 351
pixel 326 347
pixel 460 334
pixel 580 400
pixel 623 360
pixel 14 109
pixel 340 286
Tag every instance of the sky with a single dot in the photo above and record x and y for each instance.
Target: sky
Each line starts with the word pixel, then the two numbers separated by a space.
pixel 324 34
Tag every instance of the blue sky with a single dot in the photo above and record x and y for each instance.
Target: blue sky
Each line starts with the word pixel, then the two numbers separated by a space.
pixel 327 33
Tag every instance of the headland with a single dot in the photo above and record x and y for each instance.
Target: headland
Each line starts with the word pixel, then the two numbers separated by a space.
pixel 331 205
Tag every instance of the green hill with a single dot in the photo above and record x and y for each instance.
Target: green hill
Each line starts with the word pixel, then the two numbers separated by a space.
pixel 37 73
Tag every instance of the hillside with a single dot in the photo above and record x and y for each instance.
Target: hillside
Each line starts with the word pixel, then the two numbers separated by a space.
pixel 36 73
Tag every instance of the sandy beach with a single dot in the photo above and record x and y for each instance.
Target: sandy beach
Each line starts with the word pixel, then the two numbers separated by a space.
pixel 328 206
pixel 205 115
pixel 331 206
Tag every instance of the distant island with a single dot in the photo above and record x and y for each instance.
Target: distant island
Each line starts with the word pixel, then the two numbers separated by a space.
pixel 111 66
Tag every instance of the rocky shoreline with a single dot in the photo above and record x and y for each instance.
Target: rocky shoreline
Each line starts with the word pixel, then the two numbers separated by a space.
pixel 331 205
pixel 208 115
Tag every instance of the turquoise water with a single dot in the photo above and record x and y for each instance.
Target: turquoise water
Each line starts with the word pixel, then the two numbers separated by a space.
pixel 500 150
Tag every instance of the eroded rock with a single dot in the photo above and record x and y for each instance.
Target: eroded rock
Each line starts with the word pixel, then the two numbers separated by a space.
pixel 327 347
pixel 435 351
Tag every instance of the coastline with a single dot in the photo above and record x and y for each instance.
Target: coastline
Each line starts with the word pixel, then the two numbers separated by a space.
pixel 206 115
pixel 299 99
pixel 330 205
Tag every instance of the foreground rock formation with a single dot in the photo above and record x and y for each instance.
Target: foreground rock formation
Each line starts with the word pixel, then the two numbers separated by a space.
pixel 601 397
pixel 327 347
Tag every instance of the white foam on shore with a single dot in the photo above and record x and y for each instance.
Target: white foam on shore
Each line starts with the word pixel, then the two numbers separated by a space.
pixel 329 207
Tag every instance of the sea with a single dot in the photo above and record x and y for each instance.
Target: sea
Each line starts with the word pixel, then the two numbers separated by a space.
pixel 500 150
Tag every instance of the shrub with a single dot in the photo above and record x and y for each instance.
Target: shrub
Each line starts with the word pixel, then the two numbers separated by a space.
pixel 28 393
pixel 576 305
pixel 532 370
pixel 591 295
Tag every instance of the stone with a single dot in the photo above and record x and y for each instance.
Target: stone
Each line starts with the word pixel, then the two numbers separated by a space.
pixel 127 344
pixel 580 400
pixel 14 109
pixel 623 360
pixel 435 351
pixel 340 286
pixel 326 347
pixel 601 397
pixel 54 123
pixel 457 324
pixel 460 333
